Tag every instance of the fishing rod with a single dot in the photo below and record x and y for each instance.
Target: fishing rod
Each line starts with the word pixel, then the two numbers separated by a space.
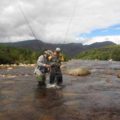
pixel 26 20
pixel 68 26
pixel 70 21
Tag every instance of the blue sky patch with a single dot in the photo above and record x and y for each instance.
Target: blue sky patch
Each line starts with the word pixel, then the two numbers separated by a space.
pixel 109 31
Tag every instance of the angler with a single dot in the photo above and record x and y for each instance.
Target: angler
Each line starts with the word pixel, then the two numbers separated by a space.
pixel 42 68
pixel 55 70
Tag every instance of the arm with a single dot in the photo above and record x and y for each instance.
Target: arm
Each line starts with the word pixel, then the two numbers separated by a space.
pixel 40 61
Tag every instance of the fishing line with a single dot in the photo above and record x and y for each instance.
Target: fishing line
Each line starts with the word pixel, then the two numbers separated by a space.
pixel 26 20
pixel 70 21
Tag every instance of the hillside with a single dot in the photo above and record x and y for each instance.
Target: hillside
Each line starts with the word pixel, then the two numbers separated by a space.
pixel 105 53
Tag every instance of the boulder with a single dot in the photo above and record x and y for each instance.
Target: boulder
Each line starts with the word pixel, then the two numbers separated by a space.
pixel 78 72
pixel 118 75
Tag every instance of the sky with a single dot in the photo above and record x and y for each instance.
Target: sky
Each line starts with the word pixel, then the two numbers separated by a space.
pixel 60 21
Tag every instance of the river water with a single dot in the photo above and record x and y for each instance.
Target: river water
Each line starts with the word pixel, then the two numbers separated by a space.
pixel 92 97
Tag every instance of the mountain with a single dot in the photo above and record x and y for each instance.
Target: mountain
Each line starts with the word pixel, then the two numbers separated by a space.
pixel 100 44
pixel 71 49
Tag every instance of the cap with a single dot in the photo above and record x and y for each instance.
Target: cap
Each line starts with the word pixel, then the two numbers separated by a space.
pixel 58 49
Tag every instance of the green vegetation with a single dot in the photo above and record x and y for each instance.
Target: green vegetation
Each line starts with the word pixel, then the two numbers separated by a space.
pixel 13 55
pixel 106 53
pixel 10 55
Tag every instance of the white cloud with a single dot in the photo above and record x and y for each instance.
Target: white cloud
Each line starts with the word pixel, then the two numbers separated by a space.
pixel 50 19
pixel 115 39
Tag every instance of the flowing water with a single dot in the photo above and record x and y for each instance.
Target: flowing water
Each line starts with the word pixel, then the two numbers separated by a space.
pixel 92 97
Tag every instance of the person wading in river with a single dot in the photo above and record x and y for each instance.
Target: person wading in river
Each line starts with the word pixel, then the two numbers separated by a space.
pixel 42 68
pixel 55 71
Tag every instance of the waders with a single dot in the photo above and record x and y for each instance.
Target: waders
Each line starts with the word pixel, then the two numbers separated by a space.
pixel 56 75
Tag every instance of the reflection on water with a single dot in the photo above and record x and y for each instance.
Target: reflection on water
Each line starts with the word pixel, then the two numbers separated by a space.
pixel 49 102
pixel 48 98
pixel 40 93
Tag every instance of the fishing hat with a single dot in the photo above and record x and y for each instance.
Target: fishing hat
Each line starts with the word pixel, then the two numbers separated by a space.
pixel 48 52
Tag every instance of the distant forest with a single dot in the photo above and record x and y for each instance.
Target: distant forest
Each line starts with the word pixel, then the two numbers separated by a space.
pixel 12 55
pixel 105 53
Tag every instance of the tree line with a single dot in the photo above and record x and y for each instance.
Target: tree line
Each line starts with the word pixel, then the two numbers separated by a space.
pixel 105 53
pixel 12 55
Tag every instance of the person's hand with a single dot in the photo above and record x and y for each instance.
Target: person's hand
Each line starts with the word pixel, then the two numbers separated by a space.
pixel 52 64
pixel 46 65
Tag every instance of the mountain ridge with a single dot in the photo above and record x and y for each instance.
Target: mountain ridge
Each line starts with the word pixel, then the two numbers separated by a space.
pixel 72 49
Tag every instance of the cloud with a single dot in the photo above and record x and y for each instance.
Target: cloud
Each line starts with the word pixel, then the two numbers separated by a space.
pixel 115 39
pixel 56 20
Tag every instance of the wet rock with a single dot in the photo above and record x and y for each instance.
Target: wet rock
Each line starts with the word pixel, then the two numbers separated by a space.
pixel 26 65
pixel 118 75
pixel 8 76
pixel 8 67
pixel 78 72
